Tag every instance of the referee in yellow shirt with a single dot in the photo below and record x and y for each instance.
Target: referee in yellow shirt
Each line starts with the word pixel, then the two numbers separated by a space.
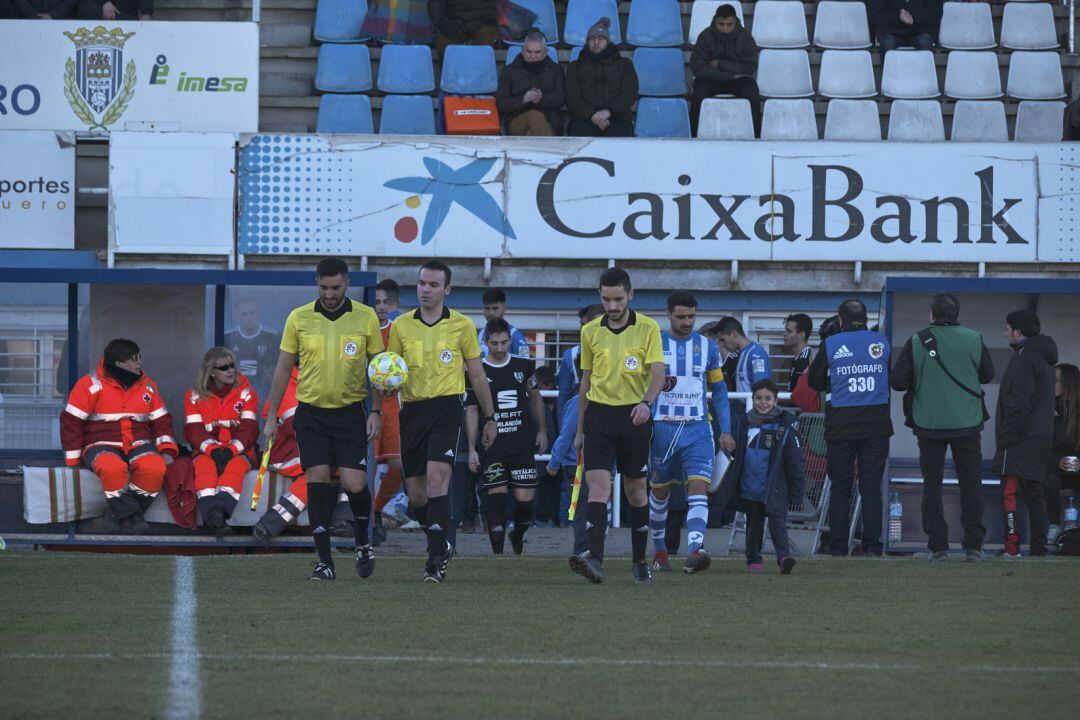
pixel 333 337
pixel 439 345
pixel 622 373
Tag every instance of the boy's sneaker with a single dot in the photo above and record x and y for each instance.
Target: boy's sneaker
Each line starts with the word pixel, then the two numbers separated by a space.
pixel 323 571
pixel 755 568
pixel 588 568
pixel 937 555
pixel 696 562
pixel 365 561
pixel 660 562
pixel 786 563
pixel 974 556
pixel 642 576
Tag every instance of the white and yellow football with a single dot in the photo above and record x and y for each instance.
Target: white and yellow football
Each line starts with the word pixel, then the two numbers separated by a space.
pixel 388 372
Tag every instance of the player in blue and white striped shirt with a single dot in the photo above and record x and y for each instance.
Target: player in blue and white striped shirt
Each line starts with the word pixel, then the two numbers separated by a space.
pixel 682 444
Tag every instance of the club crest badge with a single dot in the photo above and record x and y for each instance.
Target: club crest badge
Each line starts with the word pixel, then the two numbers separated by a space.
pixel 97 85
pixel 519 376
pixel 350 349
pixel 446 357
pixel 631 362
pixel 876 350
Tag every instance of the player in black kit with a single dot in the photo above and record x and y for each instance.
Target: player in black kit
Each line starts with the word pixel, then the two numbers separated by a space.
pixel 510 461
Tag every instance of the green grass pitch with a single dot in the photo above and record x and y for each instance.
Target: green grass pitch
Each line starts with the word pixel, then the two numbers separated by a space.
pixel 103 636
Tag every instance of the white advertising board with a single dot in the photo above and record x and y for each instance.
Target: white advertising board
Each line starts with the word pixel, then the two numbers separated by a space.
pixel 37 190
pixel 647 199
pixel 102 76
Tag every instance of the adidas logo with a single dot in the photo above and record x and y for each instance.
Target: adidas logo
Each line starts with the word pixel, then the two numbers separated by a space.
pixel 842 352
pixel 436 527
pixel 449 453
pixel 644 468
pixel 319 529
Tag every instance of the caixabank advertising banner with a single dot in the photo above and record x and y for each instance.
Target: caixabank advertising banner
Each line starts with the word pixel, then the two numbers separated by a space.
pixel 100 76
pixel 37 190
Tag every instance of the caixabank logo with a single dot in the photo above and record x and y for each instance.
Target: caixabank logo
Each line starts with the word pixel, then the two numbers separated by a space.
pixel 97 84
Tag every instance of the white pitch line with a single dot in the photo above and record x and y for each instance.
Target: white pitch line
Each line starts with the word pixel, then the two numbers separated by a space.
pixel 185 687
pixel 562 662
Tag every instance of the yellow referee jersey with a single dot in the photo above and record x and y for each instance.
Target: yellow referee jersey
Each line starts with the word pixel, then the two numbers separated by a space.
pixel 435 354
pixel 333 353
pixel 620 359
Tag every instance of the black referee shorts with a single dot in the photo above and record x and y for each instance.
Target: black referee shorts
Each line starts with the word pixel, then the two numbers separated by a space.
pixel 332 436
pixel 429 433
pixel 611 438
pixel 518 470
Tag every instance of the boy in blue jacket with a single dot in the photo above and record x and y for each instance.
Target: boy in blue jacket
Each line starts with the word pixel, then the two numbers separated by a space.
pixel 767 475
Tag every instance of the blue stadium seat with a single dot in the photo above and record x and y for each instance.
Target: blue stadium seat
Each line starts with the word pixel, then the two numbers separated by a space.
pixel 343 69
pixel 545 19
pixel 580 16
pixel 407 115
pixel 514 50
pixel 574 52
pixel 340 20
pixel 660 71
pixel 655 23
pixel 469 70
pixel 345 114
pixel 663 118
pixel 406 69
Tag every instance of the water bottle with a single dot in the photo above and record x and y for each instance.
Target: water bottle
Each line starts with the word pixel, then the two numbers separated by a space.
pixel 896 518
pixel 1070 514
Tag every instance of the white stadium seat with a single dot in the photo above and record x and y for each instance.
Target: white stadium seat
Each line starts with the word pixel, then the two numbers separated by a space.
pixel 910 75
pixel 1028 26
pixel 967 26
pixel 973 75
pixel 841 25
pixel 1035 76
pixel 784 73
pixel 916 121
pixel 780 24
pixel 726 119
pixel 847 74
pixel 1039 121
pixel 979 121
pixel 853 120
pixel 789 120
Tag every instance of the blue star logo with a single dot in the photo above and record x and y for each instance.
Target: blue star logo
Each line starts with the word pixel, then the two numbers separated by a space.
pixel 446 187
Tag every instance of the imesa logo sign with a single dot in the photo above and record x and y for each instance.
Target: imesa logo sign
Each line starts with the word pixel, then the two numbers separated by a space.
pixel 159 75
pixel 41 186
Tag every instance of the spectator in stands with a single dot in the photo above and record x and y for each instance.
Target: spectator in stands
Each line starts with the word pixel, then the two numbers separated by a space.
pixel 568 378
pixel 531 91
pixel 118 10
pixel 495 308
pixel 38 9
pixel 797 329
pixel 855 367
pixel 1062 474
pixel 725 60
pixel 116 424
pixel 398 21
pixel 1071 131
pixel 601 88
pixel 461 22
pixel 905 23
pixel 943 367
pixel 753 363
pixel 1025 428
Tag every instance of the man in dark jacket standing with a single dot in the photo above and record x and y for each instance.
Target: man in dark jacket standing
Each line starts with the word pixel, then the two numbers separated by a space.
pixel 725 60
pixel 1025 427
pixel 460 22
pixel 943 366
pixel 601 88
pixel 531 90
pixel 854 364
pixel 903 23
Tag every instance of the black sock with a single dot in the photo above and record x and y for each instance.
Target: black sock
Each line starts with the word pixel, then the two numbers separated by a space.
pixel 376 518
pixel 438 516
pixel 420 511
pixel 321 501
pixel 523 514
pixel 361 509
pixel 496 513
pixel 596 523
pixel 639 531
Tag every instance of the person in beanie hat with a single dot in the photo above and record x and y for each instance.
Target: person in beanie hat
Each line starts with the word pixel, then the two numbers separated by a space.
pixel 601 88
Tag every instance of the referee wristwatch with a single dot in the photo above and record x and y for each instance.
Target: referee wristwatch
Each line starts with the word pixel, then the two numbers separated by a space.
pixel 489 418
pixel 375 411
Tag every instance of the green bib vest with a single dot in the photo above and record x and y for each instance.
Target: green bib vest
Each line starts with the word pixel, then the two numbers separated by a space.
pixel 940 404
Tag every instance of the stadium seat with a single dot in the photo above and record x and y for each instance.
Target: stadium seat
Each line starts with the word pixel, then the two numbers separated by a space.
pixel 973 75
pixel 1039 121
pixel 910 75
pixel 841 25
pixel 545 19
pixel 967 26
pixel 780 24
pixel 345 114
pixel 916 121
pixel 407 115
pixel 853 121
pixel 660 71
pixel 469 70
pixel 789 120
pixel 1028 26
pixel 847 73
pixel 514 50
pixel 726 119
pixel 654 23
pixel 343 68
pixel 582 14
pixel 784 74
pixel 339 20
pixel 1035 76
pixel 406 69
pixel 701 15
pixel 979 121
pixel 574 52
pixel 663 118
